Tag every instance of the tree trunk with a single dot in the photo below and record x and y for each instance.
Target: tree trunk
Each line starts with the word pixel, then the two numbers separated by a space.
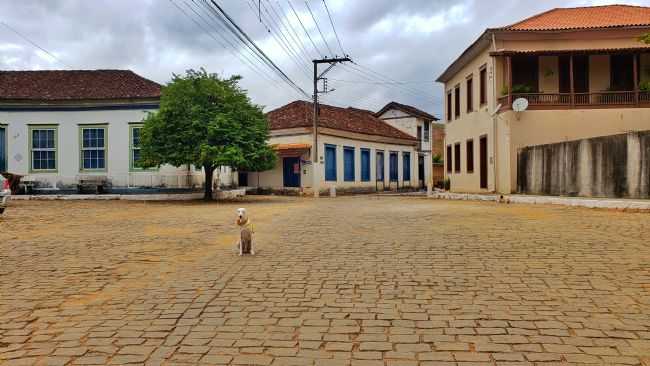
pixel 209 173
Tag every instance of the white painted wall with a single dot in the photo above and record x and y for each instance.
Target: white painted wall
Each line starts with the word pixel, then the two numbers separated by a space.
pixel 68 150
pixel 274 178
pixel 408 124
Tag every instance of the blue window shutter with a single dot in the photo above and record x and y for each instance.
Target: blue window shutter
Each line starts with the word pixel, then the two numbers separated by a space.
pixel 393 166
pixel 380 166
pixel 365 165
pixel 406 157
pixel 330 163
pixel 348 164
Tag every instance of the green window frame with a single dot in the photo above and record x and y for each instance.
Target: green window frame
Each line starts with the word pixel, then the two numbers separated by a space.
pixel 93 148
pixel 43 148
pixel 135 131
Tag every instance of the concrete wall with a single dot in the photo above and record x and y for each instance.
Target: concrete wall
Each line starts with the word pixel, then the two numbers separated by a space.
pixel 540 127
pixel 576 40
pixel 609 166
pixel 118 167
pixel 274 178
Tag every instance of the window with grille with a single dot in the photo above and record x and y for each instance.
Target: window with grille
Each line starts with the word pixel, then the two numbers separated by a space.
pixel 43 148
pixel 93 148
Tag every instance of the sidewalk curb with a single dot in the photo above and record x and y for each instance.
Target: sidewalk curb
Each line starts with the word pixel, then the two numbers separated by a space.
pixel 605 203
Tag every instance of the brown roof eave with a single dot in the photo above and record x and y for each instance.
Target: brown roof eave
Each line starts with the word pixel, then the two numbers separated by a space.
pixel 570 51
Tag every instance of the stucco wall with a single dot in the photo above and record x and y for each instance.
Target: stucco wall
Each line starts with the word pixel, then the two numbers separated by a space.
pixel 549 75
pixel 471 125
pixel 408 124
pixel 274 178
pixel 576 40
pixel 539 127
pixel 68 150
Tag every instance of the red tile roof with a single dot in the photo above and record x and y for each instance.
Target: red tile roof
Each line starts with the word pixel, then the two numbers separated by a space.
pixel 69 85
pixel 607 16
pixel 299 114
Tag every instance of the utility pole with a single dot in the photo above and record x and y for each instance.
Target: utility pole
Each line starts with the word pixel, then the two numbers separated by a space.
pixel 314 148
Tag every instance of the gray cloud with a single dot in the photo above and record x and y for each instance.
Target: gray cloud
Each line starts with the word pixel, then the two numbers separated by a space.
pixel 409 41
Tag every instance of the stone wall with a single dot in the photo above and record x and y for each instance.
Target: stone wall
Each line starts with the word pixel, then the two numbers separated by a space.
pixel 608 166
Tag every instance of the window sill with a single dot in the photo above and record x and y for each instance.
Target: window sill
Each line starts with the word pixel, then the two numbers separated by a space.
pixel 43 171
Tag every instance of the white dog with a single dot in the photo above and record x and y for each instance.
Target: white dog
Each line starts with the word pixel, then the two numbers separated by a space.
pixel 245 244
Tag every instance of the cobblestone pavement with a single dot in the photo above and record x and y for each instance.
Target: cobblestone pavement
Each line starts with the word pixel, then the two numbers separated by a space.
pixel 361 281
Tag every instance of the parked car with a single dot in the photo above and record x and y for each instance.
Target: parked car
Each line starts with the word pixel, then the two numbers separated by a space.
pixel 5 193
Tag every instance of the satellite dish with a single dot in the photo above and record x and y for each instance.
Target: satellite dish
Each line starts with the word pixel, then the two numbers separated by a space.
pixel 520 104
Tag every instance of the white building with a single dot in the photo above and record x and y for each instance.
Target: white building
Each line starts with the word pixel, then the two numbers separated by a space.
pixel 357 151
pixel 420 124
pixel 57 127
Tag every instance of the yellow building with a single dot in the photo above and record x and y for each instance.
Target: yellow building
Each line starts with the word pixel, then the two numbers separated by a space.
pixel 583 128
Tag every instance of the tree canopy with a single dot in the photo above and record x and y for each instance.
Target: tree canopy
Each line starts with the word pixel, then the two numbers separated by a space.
pixel 645 38
pixel 207 121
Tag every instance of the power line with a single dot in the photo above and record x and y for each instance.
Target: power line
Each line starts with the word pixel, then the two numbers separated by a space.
pixel 319 31
pixel 373 76
pixel 241 57
pixel 280 28
pixel 305 30
pixel 279 38
pixel 383 82
pixel 333 27
pixel 235 29
pixel 34 44
pixel 290 29
pixel 236 52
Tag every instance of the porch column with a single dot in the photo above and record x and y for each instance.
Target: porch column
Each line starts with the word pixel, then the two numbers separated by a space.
pixel 636 78
pixel 573 101
pixel 509 76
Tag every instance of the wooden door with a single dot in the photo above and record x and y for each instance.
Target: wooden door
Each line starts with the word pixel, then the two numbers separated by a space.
pixel 483 159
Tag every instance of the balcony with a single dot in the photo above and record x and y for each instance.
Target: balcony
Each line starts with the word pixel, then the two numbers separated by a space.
pixel 566 80
pixel 605 99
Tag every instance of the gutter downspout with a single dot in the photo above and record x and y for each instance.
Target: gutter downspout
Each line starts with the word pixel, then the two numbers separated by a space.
pixel 495 170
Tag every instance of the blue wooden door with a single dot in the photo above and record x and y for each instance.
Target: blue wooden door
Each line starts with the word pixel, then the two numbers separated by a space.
pixel 291 172
pixel 380 166
pixel 348 164
pixel 330 163
pixel 3 149
pixel 406 173
pixel 393 166
pixel 365 165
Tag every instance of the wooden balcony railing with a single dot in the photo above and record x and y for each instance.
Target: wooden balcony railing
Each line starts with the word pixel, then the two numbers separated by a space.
pixel 606 99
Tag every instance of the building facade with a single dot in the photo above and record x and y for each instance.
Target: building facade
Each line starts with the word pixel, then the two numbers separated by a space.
pixel 59 127
pixel 429 134
pixel 357 151
pixel 584 74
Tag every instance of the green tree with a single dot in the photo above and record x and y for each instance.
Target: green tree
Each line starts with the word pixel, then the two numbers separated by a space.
pixel 645 38
pixel 207 121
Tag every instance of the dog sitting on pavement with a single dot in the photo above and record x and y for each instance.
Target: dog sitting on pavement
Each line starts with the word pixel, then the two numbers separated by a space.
pixel 245 244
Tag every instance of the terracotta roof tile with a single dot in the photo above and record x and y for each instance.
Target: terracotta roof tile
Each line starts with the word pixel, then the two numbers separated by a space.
pixel 299 114
pixel 607 16
pixel 69 85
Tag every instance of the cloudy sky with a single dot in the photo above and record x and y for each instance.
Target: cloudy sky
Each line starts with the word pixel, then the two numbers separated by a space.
pixel 399 46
